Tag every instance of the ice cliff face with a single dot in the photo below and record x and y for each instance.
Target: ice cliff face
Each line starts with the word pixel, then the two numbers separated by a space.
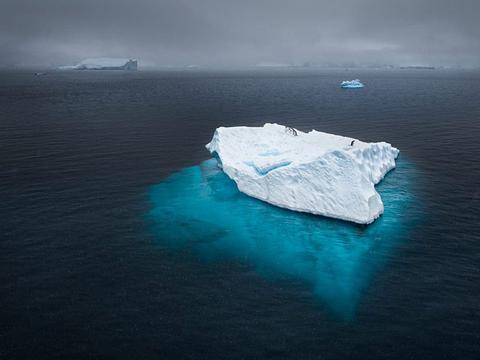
pixel 312 172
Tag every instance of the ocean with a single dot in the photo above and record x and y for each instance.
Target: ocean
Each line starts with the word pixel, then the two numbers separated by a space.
pixel 121 239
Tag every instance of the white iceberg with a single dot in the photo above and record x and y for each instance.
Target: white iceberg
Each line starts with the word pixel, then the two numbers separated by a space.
pixel 352 84
pixel 103 64
pixel 312 172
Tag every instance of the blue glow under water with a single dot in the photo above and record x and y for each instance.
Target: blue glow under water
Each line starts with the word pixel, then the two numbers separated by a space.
pixel 201 209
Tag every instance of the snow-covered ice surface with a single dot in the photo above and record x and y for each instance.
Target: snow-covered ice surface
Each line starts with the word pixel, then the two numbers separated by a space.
pixel 312 172
pixel 103 63
pixel 352 84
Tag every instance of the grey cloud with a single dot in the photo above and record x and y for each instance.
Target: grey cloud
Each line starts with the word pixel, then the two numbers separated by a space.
pixel 224 32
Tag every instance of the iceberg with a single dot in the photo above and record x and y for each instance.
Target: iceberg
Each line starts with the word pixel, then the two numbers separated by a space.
pixel 314 172
pixel 103 64
pixel 353 84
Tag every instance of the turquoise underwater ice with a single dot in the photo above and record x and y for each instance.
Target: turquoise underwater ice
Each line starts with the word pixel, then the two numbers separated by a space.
pixel 201 209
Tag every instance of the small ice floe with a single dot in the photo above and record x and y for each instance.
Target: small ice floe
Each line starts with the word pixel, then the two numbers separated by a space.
pixel 352 84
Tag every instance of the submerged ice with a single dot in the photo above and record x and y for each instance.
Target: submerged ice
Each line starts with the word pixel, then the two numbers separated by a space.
pixel 201 209
pixel 312 172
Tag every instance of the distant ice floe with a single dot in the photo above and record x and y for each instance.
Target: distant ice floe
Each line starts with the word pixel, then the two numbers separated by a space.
pixel 314 172
pixel 352 84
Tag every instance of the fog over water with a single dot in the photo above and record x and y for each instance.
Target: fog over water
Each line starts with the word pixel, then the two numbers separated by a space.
pixel 242 33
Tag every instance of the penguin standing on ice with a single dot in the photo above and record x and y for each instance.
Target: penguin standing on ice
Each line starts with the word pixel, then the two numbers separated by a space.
pixel 291 130
pixel 351 144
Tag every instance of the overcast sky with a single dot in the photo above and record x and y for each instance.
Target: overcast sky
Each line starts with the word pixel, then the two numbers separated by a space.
pixel 242 32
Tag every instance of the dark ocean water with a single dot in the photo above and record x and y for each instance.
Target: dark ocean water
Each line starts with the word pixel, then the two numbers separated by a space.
pixel 105 197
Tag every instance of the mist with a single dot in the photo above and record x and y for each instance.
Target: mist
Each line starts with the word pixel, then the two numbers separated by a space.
pixel 223 33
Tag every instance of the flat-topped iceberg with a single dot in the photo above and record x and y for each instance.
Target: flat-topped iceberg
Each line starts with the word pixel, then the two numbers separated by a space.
pixel 352 84
pixel 314 172
pixel 103 64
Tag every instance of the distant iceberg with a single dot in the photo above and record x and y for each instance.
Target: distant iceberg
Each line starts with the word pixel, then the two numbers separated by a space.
pixel 353 84
pixel 312 172
pixel 104 64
